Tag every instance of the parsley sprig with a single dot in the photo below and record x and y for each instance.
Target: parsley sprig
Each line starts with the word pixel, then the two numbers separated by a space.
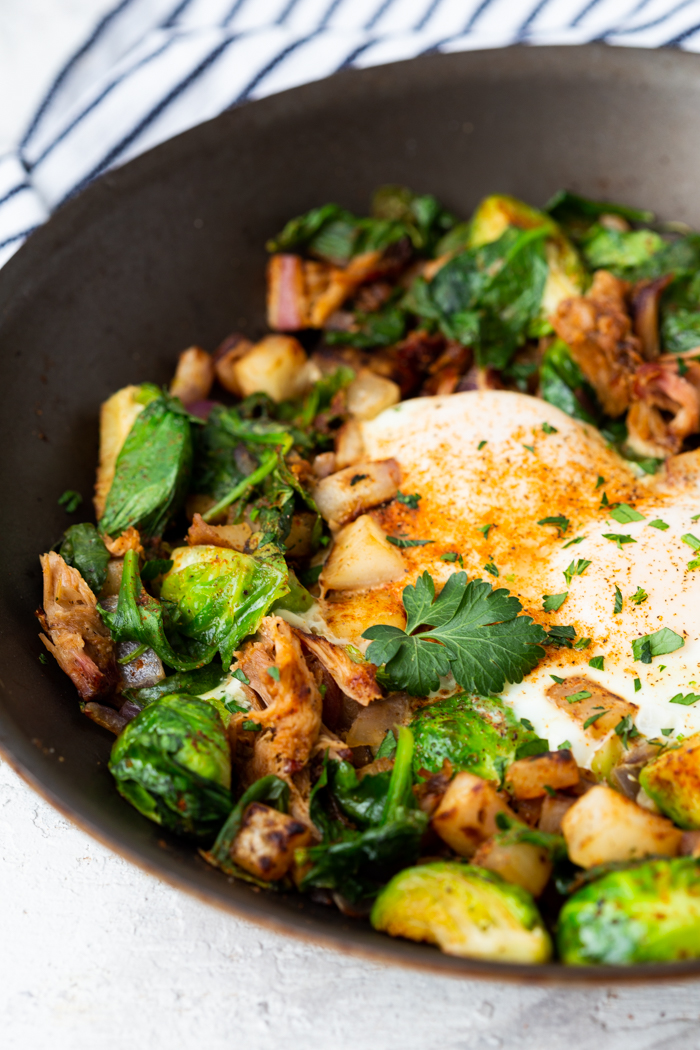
pixel 470 629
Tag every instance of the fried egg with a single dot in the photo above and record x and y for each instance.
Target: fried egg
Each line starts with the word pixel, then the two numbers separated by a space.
pixel 489 466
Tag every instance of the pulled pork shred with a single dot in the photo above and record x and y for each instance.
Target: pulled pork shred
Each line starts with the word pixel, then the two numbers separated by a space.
pixel 658 388
pixel 598 330
pixel 358 681
pixel 77 636
pixel 291 717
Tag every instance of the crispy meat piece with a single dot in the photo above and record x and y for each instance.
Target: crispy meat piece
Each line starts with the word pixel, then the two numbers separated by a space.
pixel 659 389
pixel 77 637
pixel 233 537
pixel 358 681
pixel 446 372
pixel 598 330
pixel 129 540
pixel 291 715
pixel 645 312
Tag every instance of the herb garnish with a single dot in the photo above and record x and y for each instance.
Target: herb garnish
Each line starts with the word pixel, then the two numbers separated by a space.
pixel 582 643
pixel 554 602
pixel 619 538
pixel 70 501
pixel 560 521
pixel 600 481
pixel 530 448
pixel 657 523
pixel 593 718
pixel 686 701
pixel 657 644
pixel 240 674
pixel 576 698
pixel 250 726
pixel 564 746
pixel 357 478
pixel 624 514
pixel 548 428
pixel 274 672
pixel 480 636
pixel 637 685
pixel 572 543
pixel 402 544
pixel 485 529
pixel 639 596
pixel 577 568
pixel 604 501
pixel 480 445
pixel 626 730
pixel 449 556
pixel 410 501
pixel 618 600
pixel 597 662
pixel 557 679
pixel 491 569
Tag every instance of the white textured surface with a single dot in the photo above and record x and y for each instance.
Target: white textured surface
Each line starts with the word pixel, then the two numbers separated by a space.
pixel 96 954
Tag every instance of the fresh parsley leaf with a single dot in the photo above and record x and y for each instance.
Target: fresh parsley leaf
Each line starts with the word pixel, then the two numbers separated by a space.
pixel 481 445
pixel 657 523
pixel 695 517
pixel 411 501
pixel 548 428
pixel 561 635
pixel 686 701
pixel 577 568
pixel 43 658
pixel 523 722
pixel 691 540
pixel 582 643
pixel 639 596
pixel 598 663
pixel 575 698
pixel 250 726
pixel 450 556
pixel 564 746
pixel 481 638
pixel 618 600
pixel 274 672
pixel 240 674
pixel 554 602
pixel 356 478
pixel 559 520
pixel 600 481
pixel 624 514
pixel 593 718
pixel 694 564
pixel 626 730
pixel 605 502
pixel 572 543
pixel 657 644
pixel 491 569
pixel 70 501
pixel 557 679
pixel 619 538
pixel 637 685
pixel 402 544
pixel 530 448
pixel 485 529
pixel 666 732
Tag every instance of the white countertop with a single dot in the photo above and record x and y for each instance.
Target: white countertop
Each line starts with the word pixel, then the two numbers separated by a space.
pixel 96 954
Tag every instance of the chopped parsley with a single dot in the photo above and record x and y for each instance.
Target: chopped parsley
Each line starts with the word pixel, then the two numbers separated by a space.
pixel 626 730
pixel 618 600
pixel 564 746
pixel 604 501
pixel 449 556
pixel 402 543
pixel 70 501
pixel 480 445
pixel 491 569
pixel 657 644
pixel 557 679
pixel 624 514
pixel 559 520
pixel 577 568
pixel 241 676
pixel 637 684
pixel 528 724
pixel 576 698
pixel 356 478
pixel 43 658
pixel 483 640
pixel 666 732
pixel 597 662
pixel 619 538
pixel 572 543
pixel 548 428
pixel 582 643
pixel 600 481
pixel 593 718
pixel 695 517
pixel 410 501
pixel 561 636
pixel 530 448
pixel 554 602
pixel 639 596
pixel 686 701
pixel 691 540
pixel 274 673
pixel 485 529
pixel 250 726
pixel 657 523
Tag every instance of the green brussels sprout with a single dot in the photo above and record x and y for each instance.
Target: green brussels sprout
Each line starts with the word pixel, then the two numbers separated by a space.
pixel 172 762
pixel 465 910
pixel 152 470
pixel 83 548
pixel 620 252
pixel 221 595
pixel 646 913
pixel 673 781
pixel 475 733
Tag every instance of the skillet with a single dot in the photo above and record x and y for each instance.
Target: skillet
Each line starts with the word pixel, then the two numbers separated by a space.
pixel 169 251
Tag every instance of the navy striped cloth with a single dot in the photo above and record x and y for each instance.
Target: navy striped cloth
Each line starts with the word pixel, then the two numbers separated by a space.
pixel 153 68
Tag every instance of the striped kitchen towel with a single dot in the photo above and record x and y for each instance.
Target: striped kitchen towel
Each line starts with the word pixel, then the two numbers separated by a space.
pixel 153 68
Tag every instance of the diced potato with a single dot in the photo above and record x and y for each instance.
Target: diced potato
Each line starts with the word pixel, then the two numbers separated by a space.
pixel 552 814
pixel 324 464
pixel 275 366
pixel 117 417
pixel 194 375
pixel 369 394
pixel 350 492
pixel 530 777
pixel 361 557
pixel 604 826
pixel 225 358
pixel 609 706
pixel 520 862
pixel 266 842
pixel 466 817
pixel 349 446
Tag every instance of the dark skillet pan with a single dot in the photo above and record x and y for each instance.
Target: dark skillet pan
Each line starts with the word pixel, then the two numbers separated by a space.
pixel 169 251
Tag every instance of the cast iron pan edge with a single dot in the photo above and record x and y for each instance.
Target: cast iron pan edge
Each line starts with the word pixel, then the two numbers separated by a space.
pixel 168 251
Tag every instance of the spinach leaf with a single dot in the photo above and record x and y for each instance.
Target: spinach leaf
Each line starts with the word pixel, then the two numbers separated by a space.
pixel 83 548
pixel 578 213
pixel 362 801
pixel 381 328
pixel 562 383
pixel 192 683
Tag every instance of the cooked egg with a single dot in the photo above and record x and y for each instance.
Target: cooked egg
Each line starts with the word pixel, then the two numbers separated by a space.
pixel 488 467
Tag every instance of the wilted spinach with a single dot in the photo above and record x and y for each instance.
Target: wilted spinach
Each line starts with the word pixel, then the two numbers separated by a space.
pixel 83 548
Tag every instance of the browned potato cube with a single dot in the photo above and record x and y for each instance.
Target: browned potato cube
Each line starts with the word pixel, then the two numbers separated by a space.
pixel 519 862
pixel 609 706
pixel 194 375
pixel 350 492
pixel 349 445
pixel 266 842
pixel 231 350
pixel 530 777
pixel 369 394
pixel 604 826
pixel 466 816
pixel 275 366
pixel 361 557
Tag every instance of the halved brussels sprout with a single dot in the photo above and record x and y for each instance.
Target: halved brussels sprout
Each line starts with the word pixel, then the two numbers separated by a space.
pixel 649 913
pixel 673 781
pixel 474 733
pixel 172 762
pixel 221 594
pixel 465 910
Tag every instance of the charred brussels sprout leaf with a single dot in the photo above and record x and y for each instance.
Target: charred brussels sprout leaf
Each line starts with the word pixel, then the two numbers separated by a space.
pixel 620 252
pixel 647 913
pixel 152 470
pixel 672 780
pixel 474 733
pixel 221 595
pixel 191 683
pixel 466 911
pixel 172 763
pixel 83 548
pixel 273 792
pixel 424 218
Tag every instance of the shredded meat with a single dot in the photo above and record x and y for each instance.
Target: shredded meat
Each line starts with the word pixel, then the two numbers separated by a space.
pixel 76 634
pixel 233 537
pixel 645 311
pixel 358 681
pixel 446 372
pixel 291 716
pixel 658 392
pixel 598 330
